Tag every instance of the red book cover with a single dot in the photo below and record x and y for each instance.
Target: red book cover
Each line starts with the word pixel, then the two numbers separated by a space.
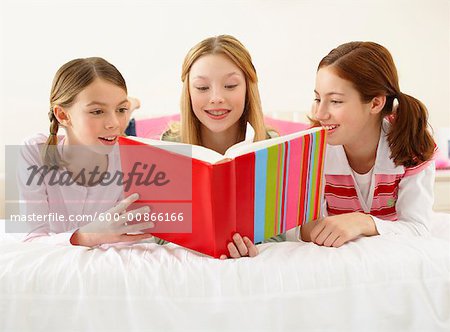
pixel 199 198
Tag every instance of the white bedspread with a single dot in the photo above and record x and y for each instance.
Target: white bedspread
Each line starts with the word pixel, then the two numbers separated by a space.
pixel 390 283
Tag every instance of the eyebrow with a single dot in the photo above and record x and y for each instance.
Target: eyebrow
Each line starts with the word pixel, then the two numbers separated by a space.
pixel 331 93
pixel 227 75
pixel 105 104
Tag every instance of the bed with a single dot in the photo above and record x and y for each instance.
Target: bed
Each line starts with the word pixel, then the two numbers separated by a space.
pixel 391 283
pixel 381 283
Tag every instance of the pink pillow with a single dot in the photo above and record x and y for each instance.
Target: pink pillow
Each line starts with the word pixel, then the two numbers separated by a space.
pixel 284 127
pixel 154 127
pixel 442 162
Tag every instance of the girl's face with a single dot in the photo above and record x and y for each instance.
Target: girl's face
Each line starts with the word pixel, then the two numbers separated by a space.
pixel 217 88
pixel 98 116
pixel 338 107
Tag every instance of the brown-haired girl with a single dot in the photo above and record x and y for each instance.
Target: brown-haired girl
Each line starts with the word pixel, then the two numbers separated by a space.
pixel 89 100
pixel 379 172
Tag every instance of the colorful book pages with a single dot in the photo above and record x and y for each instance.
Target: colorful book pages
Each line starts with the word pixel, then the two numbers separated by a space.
pixel 288 185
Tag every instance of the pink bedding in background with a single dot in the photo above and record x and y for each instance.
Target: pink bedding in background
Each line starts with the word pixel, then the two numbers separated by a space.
pixel 154 127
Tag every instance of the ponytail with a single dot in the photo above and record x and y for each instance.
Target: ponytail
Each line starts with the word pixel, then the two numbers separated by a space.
pixel 409 139
pixel 371 69
pixel 50 154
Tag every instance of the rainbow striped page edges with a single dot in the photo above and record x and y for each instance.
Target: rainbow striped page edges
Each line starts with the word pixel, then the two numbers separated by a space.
pixel 288 184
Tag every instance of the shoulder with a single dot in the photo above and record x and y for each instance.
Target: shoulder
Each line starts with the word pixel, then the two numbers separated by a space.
pixel 31 147
pixel 270 133
pixel 39 139
pixel 430 163
pixel 170 136
pixel 409 171
pixel 35 139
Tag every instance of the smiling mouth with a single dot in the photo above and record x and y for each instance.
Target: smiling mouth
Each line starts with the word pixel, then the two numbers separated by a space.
pixel 217 112
pixel 329 127
pixel 108 139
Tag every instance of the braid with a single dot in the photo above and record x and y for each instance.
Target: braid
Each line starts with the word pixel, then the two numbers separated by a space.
pixel 70 79
pixel 50 154
pixel 54 125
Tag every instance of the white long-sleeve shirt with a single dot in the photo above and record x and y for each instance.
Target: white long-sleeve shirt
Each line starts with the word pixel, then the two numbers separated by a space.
pixel 400 200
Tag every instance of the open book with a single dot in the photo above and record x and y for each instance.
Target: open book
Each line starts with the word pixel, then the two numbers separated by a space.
pixel 259 189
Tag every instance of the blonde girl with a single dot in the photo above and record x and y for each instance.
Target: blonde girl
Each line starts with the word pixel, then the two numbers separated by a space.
pixel 220 105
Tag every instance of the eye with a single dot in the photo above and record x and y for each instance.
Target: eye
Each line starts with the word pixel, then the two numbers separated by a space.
pixel 122 110
pixel 230 86
pixel 202 88
pixel 336 101
pixel 317 100
pixel 96 112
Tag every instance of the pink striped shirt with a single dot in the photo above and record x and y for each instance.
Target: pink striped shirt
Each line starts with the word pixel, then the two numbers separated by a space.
pixel 400 194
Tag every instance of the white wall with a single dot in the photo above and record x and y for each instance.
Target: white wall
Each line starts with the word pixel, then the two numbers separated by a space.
pixel 147 41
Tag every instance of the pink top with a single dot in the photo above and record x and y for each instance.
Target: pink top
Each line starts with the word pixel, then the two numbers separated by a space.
pixel 73 202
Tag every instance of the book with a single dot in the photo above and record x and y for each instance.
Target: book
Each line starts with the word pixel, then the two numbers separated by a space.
pixel 258 189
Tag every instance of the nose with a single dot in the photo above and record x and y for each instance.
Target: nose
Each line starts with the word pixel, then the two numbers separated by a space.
pixel 216 96
pixel 320 111
pixel 112 121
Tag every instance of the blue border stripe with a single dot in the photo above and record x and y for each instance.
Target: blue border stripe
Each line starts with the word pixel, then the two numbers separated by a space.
pixel 260 193
pixel 311 175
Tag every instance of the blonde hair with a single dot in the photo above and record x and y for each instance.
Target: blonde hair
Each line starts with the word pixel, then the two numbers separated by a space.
pixel 189 128
pixel 72 78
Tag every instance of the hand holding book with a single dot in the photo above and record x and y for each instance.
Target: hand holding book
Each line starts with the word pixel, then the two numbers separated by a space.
pixel 241 247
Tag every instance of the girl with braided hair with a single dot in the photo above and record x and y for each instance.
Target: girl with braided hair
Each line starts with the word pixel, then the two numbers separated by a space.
pixel 89 100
